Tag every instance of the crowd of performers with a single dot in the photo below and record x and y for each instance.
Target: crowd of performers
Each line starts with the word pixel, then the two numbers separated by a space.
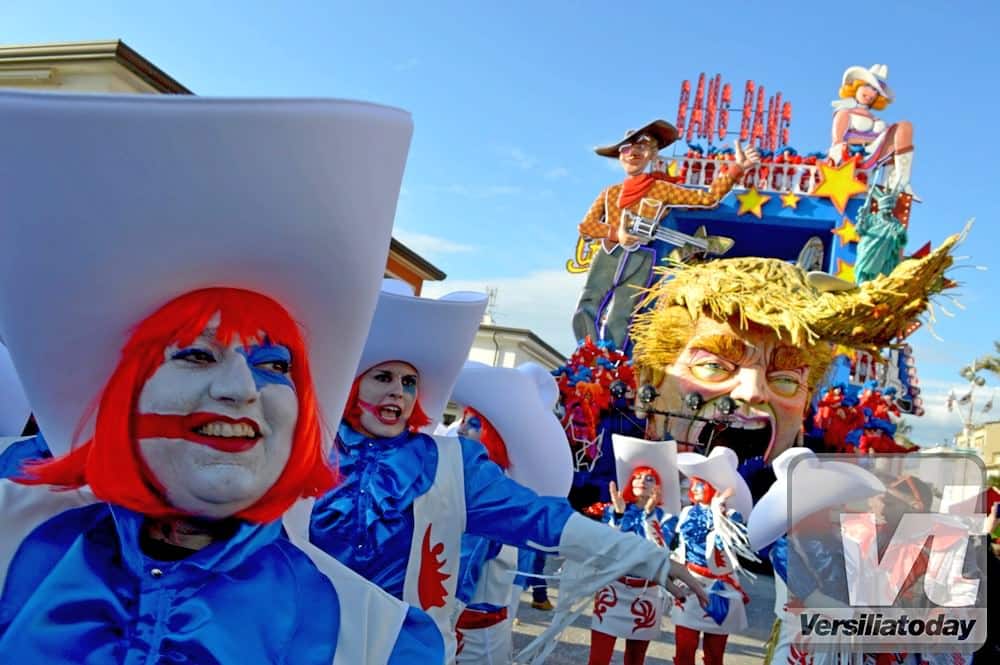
pixel 234 461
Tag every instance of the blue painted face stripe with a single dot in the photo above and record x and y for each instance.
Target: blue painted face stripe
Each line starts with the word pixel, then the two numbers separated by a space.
pixel 258 357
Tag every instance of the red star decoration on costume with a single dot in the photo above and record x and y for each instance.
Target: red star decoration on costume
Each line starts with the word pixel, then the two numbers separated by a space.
pixel 839 184
pixel 790 200
pixel 846 232
pixel 752 201
pixel 845 271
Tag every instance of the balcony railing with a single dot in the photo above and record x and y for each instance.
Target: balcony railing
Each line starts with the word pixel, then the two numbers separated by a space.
pixel 776 177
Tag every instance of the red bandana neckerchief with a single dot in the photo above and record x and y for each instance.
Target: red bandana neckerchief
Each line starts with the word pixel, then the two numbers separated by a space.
pixel 634 187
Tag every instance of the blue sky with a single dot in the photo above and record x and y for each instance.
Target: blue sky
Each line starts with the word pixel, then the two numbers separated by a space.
pixel 508 99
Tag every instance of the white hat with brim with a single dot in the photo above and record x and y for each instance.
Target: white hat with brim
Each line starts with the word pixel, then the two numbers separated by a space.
pixel 519 404
pixel 876 76
pixel 113 205
pixel 815 485
pixel 14 409
pixel 720 470
pixel 631 453
pixel 434 336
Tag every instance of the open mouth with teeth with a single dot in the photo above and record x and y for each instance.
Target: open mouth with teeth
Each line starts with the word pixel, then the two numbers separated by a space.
pixel 230 435
pixel 388 414
pixel 749 438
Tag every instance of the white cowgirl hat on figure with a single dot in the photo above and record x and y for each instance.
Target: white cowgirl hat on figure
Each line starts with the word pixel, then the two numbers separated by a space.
pixel 631 453
pixel 519 403
pixel 720 470
pixel 113 205
pixel 815 484
pixel 14 409
pixel 432 335
pixel 876 76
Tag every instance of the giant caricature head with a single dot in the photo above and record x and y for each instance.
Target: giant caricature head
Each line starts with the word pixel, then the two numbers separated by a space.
pixel 193 316
pixel 760 332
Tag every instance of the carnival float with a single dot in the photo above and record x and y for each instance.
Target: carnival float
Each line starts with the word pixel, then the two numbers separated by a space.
pixel 841 214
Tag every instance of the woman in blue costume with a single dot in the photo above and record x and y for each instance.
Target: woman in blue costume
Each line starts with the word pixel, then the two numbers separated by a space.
pixel 632 607
pixel 510 413
pixel 711 537
pixel 406 498
pixel 160 345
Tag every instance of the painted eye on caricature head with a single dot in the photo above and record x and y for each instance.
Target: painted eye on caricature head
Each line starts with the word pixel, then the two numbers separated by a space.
pixel 785 383
pixel 712 369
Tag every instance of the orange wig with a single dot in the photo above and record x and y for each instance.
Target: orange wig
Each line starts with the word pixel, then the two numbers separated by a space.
pixel 109 461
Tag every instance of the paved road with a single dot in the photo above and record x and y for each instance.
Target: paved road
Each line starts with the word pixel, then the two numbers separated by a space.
pixel 574 645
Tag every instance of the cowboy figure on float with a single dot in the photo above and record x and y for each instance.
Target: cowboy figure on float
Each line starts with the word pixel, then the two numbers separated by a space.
pixel 623 264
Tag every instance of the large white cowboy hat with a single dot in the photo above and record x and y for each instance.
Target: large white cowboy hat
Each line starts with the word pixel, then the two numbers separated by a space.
pixel 815 485
pixel 434 336
pixel 720 470
pixel 876 76
pixel 519 403
pixel 631 453
pixel 113 205
pixel 14 409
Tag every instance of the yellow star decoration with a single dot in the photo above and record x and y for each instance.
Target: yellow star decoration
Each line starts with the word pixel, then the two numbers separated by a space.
pixel 846 232
pixel 790 200
pixel 845 271
pixel 673 169
pixel 753 202
pixel 839 184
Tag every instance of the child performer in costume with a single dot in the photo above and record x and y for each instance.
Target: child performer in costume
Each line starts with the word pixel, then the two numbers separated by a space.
pixel 818 487
pixel 509 412
pixel 753 338
pixel 632 607
pixel 862 91
pixel 173 349
pixel 711 538
pixel 406 498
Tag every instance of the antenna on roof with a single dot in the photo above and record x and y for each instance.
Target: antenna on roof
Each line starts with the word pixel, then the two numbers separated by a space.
pixel 491 304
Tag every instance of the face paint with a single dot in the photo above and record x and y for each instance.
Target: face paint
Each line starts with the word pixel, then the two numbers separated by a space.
pixel 643 485
pixel 471 428
pixel 215 423
pixel 387 394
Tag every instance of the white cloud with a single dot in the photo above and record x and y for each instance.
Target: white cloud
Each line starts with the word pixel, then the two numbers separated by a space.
pixel 542 301
pixel 429 245
pixel 938 424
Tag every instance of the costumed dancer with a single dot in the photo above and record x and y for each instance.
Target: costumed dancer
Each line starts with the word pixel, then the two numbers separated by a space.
pixel 509 412
pixel 861 92
pixel 711 538
pixel 157 341
pixel 752 337
pixel 817 486
pixel 623 264
pixel 648 505
pixel 406 498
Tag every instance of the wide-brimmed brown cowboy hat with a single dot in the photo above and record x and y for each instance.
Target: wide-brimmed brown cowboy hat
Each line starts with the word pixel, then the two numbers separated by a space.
pixel 660 130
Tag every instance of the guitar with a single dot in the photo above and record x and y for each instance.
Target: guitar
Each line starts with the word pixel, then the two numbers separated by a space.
pixel 648 229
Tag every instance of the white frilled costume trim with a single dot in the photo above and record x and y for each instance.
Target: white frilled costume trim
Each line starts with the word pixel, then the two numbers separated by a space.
pixel 14 409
